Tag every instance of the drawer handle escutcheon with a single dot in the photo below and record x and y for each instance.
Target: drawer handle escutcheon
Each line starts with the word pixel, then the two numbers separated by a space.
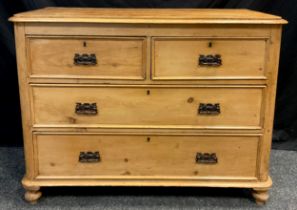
pixel 89 157
pixel 210 60
pixel 85 59
pixel 209 109
pixel 86 108
pixel 206 158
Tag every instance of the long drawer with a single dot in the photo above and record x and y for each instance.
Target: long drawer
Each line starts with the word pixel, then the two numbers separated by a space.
pixel 136 106
pixel 83 57
pixel 208 58
pixel 132 155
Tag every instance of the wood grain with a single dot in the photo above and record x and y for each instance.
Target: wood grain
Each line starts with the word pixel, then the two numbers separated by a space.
pixel 177 58
pixel 147 106
pixel 147 85
pixel 25 99
pixel 146 155
pixel 117 58
pixel 269 99
pixel 184 16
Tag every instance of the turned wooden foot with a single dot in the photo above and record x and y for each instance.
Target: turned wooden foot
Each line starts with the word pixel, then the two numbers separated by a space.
pixel 261 195
pixel 32 194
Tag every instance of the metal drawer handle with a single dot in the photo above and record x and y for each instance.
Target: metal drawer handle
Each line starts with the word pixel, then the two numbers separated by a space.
pixel 206 158
pixel 210 60
pixel 85 59
pixel 209 109
pixel 89 157
pixel 86 108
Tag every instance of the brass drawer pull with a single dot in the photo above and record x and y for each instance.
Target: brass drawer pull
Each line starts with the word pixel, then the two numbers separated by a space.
pixel 210 60
pixel 85 59
pixel 89 157
pixel 206 158
pixel 209 109
pixel 86 108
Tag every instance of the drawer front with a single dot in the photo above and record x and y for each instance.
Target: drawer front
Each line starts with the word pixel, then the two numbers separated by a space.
pixel 159 107
pixel 103 58
pixel 108 155
pixel 189 58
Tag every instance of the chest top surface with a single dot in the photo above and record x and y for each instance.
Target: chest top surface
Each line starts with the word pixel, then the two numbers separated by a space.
pixel 156 16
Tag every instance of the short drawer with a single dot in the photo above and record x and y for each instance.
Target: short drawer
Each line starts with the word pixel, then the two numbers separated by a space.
pixel 78 57
pixel 153 107
pixel 215 157
pixel 214 58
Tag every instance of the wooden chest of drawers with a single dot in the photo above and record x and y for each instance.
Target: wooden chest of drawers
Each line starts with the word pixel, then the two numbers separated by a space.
pixel 147 97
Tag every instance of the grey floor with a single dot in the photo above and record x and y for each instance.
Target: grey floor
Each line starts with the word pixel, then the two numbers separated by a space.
pixel 283 195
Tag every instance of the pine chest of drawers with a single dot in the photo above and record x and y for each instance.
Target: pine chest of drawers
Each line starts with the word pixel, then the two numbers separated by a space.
pixel 147 97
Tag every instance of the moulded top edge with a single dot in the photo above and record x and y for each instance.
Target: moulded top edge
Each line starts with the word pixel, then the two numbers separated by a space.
pixel 150 16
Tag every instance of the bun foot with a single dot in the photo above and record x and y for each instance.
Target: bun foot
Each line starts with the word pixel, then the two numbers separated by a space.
pixel 32 195
pixel 261 196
